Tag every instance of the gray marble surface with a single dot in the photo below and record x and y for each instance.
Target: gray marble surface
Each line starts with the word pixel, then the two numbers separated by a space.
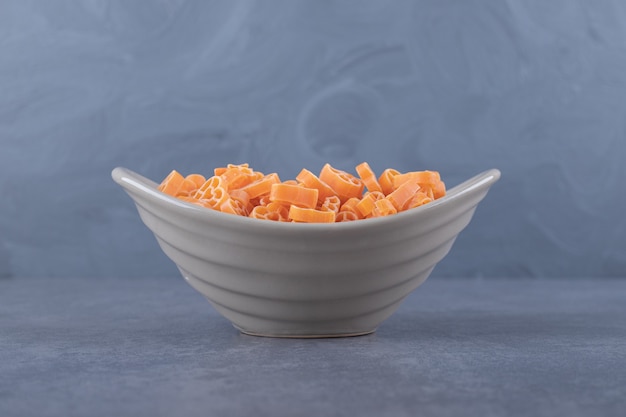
pixel 154 347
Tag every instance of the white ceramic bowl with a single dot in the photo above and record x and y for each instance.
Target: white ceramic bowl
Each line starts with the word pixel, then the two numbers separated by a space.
pixel 305 280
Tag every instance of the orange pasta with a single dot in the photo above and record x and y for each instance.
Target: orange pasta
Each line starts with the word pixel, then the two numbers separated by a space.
pixel 232 168
pixel 263 200
pixel 403 194
pixel 439 190
pixel 241 196
pixel 233 206
pixel 294 194
pixel 419 177
pixel 367 203
pixel 281 209
pixel 383 207
pixel 332 196
pixel 172 183
pixel 263 213
pixel 343 184
pixel 261 186
pixel 309 215
pixel 386 180
pixel 187 188
pixel 350 206
pixel 419 199
pixel 212 193
pixel 331 203
pixel 310 180
pixel 368 177
pixel 196 179
pixel 345 216
pixel 429 182
pixel 235 179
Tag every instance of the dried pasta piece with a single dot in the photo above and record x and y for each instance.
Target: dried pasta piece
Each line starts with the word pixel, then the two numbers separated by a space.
pixel 235 180
pixel 350 206
pixel 211 182
pixel 310 215
pixel 403 194
pixel 439 190
pixel 233 206
pixel 261 186
pixel 262 200
pixel 344 184
pixel 367 203
pixel 294 194
pixel 238 176
pixel 241 196
pixel 383 207
pixel 244 166
pixel 263 213
pixel 368 177
pixel 187 188
pixel 331 203
pixel 310 180
pixel 429 192
pixel 281 209
pixel 421 177
pixel 345 216
pixel 172 183
pixel 222 170
pixel 197 179
pixel 429 181
pixel 386 180
pixel 434 191
pixel 333 196
pixel 212 193
pixel 419 199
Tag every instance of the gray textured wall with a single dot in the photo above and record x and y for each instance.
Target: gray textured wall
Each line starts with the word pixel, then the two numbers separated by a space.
pixel 535 88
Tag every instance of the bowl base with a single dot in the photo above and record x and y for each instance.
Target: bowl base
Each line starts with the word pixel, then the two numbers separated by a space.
pixel 304 335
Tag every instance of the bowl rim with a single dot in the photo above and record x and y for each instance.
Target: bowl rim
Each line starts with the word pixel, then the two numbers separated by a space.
pixel 136 184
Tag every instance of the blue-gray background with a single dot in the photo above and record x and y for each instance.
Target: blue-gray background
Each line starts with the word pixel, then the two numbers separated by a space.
pixel 535 88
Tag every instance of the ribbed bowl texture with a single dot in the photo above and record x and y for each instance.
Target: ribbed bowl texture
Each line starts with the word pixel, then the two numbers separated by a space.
pixel 305 280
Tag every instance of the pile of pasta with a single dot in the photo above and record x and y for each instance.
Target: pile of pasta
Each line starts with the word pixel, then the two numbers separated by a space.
pixel 332 196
